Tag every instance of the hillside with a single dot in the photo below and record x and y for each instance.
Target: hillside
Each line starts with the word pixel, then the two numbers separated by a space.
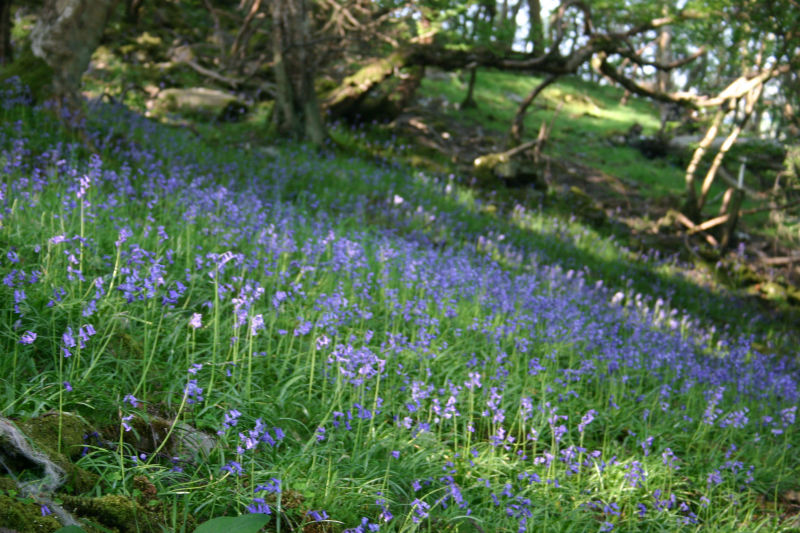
pixel 201 324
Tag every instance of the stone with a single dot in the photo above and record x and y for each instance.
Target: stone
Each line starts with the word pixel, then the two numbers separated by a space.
pixel 199 101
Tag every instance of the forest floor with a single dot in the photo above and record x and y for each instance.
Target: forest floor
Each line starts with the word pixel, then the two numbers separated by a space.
pixel 634 196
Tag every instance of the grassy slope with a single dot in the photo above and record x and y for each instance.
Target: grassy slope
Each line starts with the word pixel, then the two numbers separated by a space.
pixel 422 290
pixel 590 116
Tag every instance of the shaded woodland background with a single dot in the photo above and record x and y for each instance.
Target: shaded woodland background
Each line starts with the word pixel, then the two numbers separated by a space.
pixel 722 75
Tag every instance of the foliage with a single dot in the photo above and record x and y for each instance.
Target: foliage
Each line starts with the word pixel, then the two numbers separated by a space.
pixel 368 340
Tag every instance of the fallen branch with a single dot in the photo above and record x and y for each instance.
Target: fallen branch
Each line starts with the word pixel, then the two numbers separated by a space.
pixel 708 224
pixel 233 82
pixel 683 219
pixel 774 261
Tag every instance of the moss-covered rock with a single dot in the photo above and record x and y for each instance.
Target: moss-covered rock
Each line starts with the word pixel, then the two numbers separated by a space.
pixel 25 515
pixel 43 433
pixel 32 71
pixel 114 511
pixel 513 171
pixel 199 102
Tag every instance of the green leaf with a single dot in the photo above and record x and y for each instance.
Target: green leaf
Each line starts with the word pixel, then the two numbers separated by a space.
pixel 246 523
pixel 70 529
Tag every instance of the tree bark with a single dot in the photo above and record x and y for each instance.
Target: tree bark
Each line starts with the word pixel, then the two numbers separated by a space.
pixel 297 111
pixel 469 100
pixel 751 100
pixel 690 207
pixel 536 32
pixel 6 54
pixel 65 36
pixel 132 10
pixel 663 77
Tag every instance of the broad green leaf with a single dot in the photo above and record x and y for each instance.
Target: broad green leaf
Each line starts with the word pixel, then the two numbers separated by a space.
pixel 246 523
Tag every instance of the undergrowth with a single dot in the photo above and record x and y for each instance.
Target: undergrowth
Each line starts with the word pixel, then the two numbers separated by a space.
pixel 350 345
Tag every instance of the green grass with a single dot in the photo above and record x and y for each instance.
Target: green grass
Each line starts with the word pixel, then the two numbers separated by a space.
pixel 402 286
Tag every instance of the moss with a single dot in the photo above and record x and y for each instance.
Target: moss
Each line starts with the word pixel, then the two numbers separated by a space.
pixel 43 432
pixel 25 515
pixel 116 511
pixel 33 71
pixel 7 484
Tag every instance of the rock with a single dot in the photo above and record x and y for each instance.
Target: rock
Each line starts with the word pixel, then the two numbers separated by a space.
pixel 510 170
pixel 199 101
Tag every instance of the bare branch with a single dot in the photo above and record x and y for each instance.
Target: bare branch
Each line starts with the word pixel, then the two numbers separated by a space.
pixel 636 57
pixel 237 42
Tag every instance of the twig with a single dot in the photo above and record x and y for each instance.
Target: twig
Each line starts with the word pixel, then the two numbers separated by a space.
pixel 680 217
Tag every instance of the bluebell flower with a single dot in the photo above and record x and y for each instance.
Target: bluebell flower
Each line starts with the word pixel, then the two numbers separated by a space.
pixel 28 337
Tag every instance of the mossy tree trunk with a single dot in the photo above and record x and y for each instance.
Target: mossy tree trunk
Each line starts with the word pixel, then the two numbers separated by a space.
pixel 6 54
pixel 297 112
pixel 65 36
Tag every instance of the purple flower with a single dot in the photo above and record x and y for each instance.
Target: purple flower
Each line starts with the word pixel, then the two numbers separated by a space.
pixel 28 337
pixel 645 444
pixel 131 399
pixel 303 329
pixel 67 386
pixel 318 516
pixel 19 296
pixel 124 233
pixel 46 510
pixel 278 298
pixel 67 338
pixel 232 467
pixel 474 381
pixel 320 434
pixel 272 487
pixel 193 393
pixel 714 478
pixel 256 324
pixel 195 321
pixel 322 341
pixel 396 454
pixel 231 419
pixel 669 459
pixel 586 420
pixel 259 506
pixel 125 420
pixel 420 510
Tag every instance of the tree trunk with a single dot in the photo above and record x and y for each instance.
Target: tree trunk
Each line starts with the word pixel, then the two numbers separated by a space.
pixel 132 10
pixel 536 32
pixel 65 36
pixel 469 100
pixel 663 77
pixel 6 54
pixel 751 99
pixel 297 111
pixel 690 207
